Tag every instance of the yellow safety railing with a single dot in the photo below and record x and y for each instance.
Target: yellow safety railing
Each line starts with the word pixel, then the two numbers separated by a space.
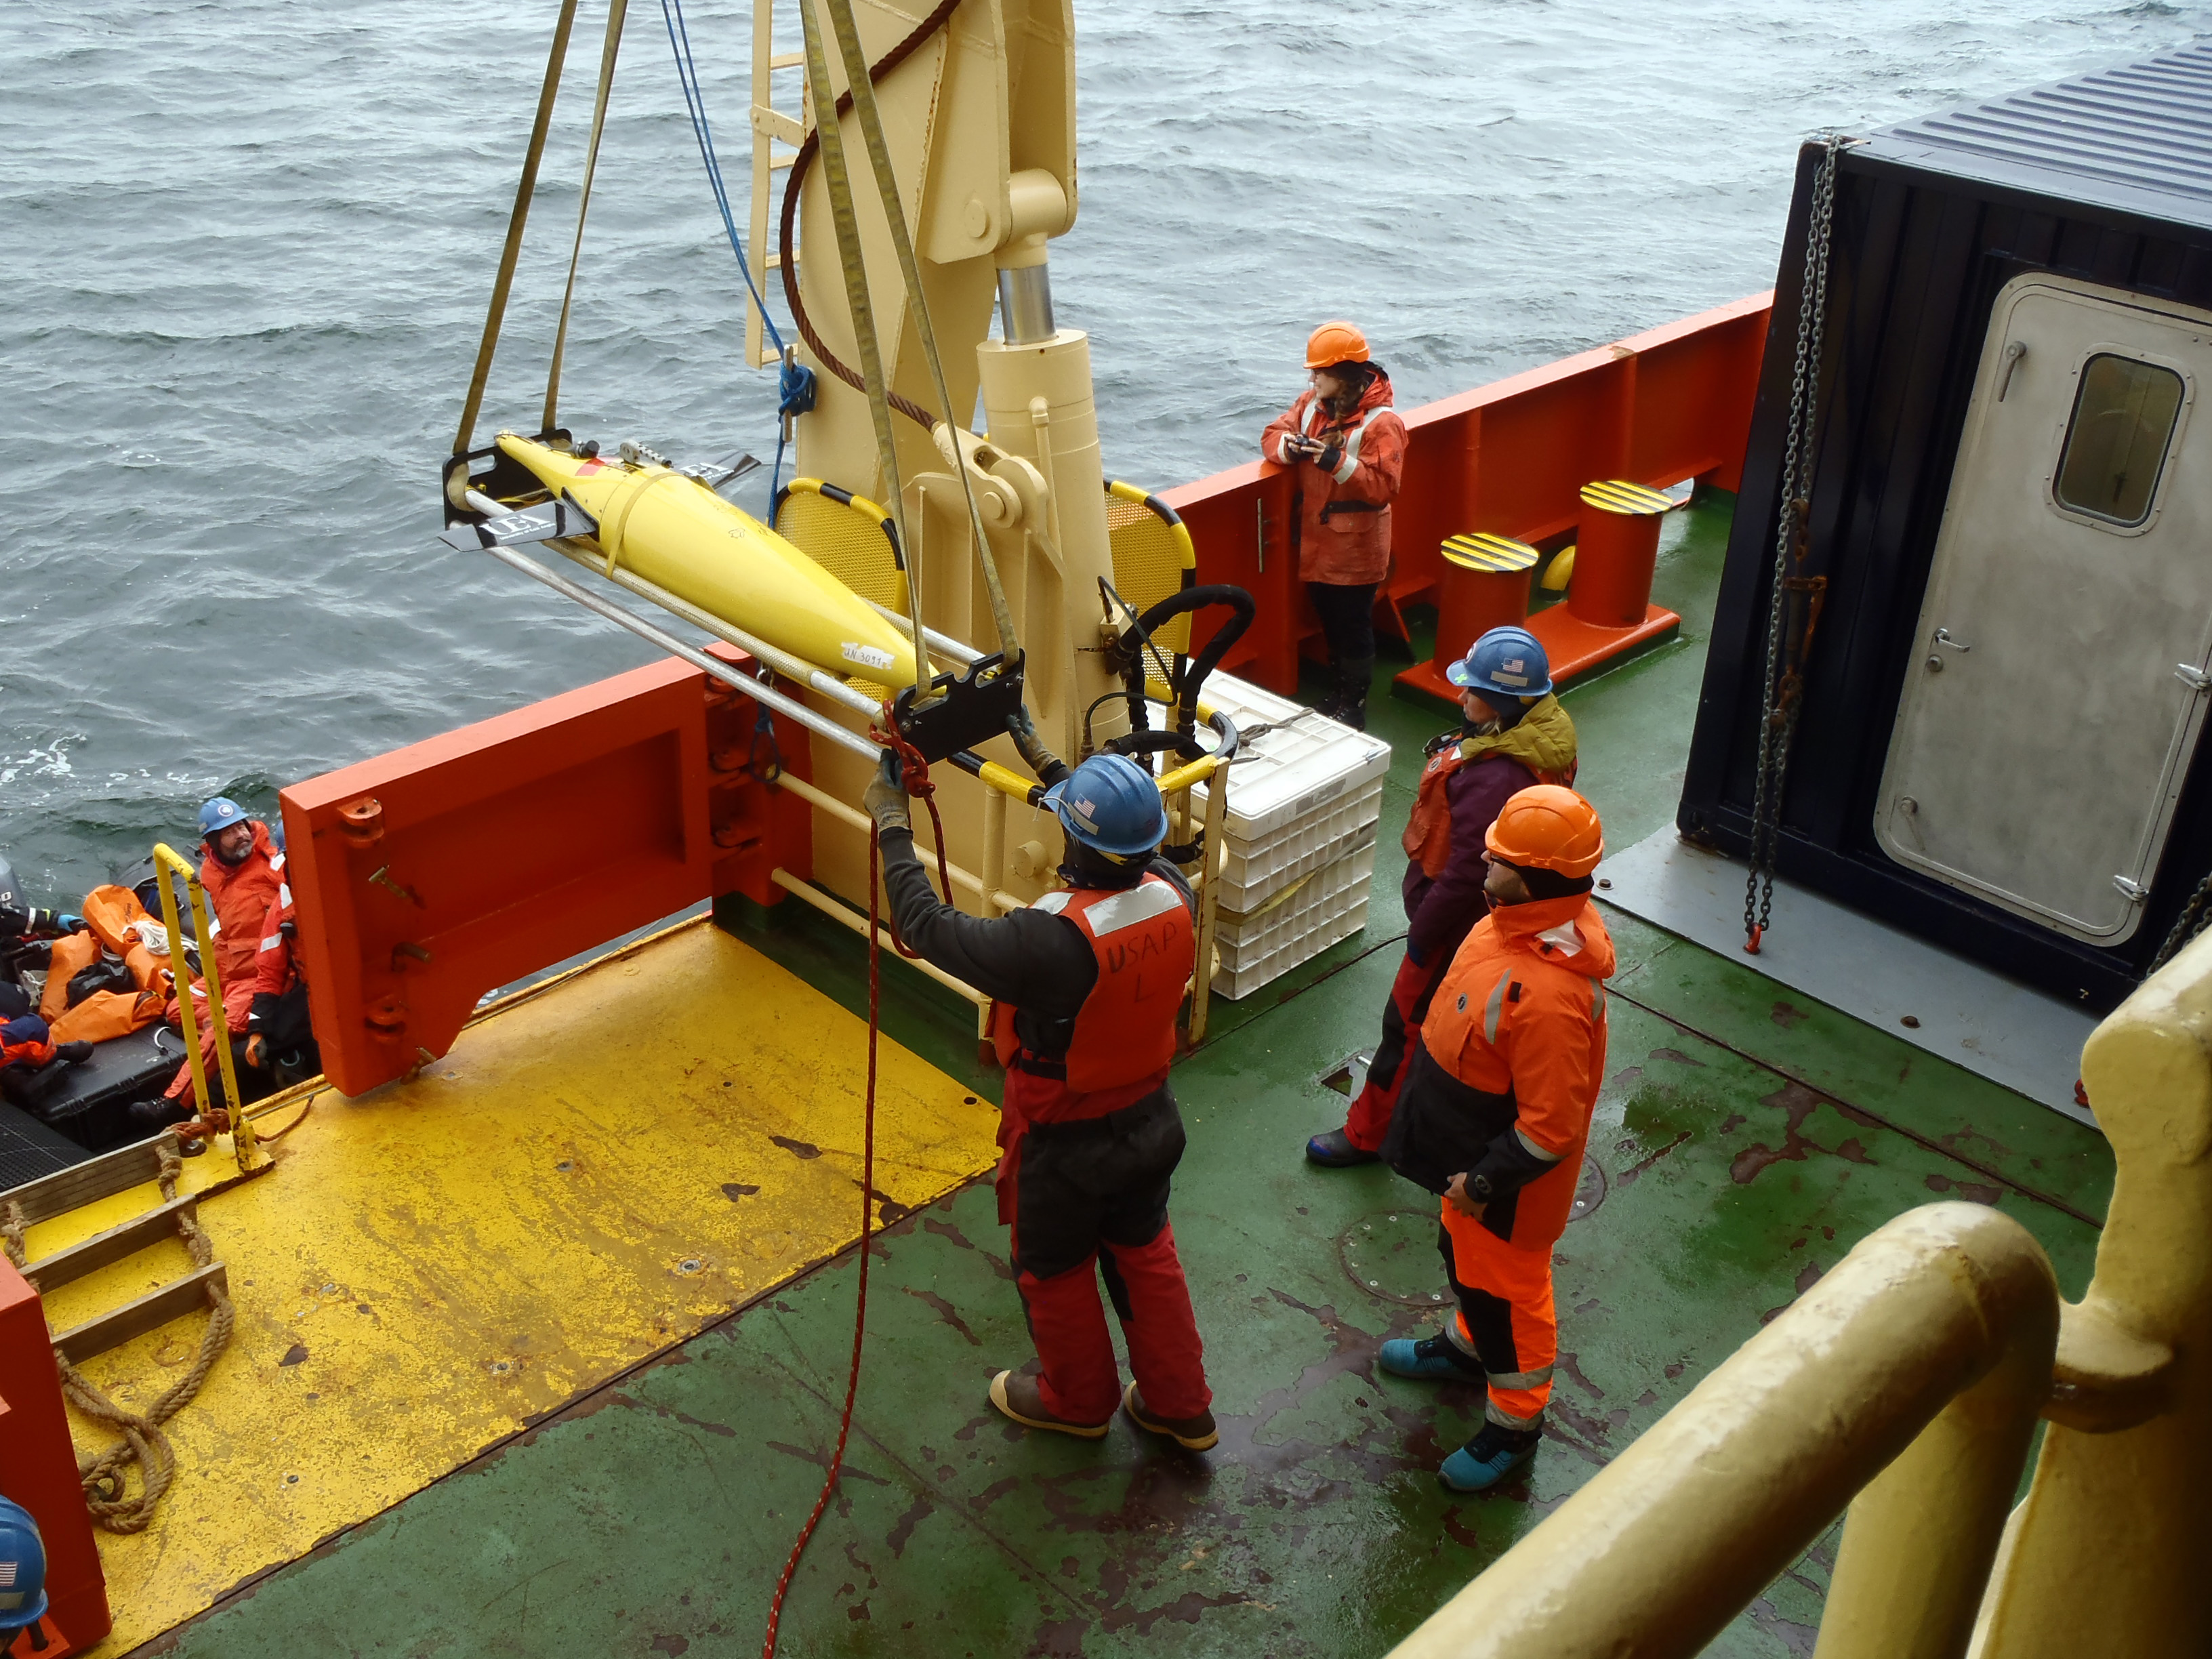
pixel 168 866
pixel 1907 1383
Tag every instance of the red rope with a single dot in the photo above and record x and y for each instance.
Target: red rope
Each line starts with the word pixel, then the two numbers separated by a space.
pixel 867 1225
pixel 914 772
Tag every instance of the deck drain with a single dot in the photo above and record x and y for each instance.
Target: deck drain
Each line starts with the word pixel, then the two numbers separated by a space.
pixel 1348 1075
pixel 1392 1255
pixel 1590 1189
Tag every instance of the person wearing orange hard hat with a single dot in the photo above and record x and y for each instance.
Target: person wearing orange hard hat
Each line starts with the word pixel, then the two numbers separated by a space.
pixel 1348 448
pixel 1495 1113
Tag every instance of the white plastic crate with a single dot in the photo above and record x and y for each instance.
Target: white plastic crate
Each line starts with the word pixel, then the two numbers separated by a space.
pixel 1252 871
pixel 1266 926
pixel 1345 916
pixel 1289 775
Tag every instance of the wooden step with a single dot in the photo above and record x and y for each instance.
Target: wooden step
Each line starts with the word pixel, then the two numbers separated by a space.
pixel 157 1307
pixel 50 1272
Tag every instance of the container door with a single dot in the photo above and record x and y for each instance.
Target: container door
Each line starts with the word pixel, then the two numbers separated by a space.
pixel 2058 684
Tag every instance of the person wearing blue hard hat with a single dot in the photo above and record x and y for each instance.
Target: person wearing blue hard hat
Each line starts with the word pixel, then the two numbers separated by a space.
pixel 242 867
pixel 23 1572
pixel 1513 733
pixel 1087 985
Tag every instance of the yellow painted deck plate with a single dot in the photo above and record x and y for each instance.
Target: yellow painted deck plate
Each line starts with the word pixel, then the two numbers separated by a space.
pixel 590 1177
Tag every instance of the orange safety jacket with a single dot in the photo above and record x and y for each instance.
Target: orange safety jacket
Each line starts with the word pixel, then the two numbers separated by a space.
pixel 1516 1035
pixel 1344 513
pixel 241 894
pixel 1125 1032
pixel 33 1052
pixel 1428 834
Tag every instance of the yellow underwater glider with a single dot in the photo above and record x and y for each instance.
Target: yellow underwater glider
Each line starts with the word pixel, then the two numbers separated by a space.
pixel 671 529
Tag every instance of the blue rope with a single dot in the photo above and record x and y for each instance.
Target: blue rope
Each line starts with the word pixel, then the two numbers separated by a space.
pixel 794 382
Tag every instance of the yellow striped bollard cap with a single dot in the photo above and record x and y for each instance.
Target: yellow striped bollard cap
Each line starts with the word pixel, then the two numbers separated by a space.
pixel 1631 500
pixel 1500 554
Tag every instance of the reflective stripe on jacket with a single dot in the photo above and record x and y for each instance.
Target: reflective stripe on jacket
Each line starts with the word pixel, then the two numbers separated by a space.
pixel 1344 513
pixel 1521 1012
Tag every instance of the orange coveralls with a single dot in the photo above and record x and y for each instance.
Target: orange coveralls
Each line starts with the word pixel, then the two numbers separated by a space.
pixel 1520 1019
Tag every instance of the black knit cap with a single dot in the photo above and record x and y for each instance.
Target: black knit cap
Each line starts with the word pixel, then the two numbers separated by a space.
pixel 1547 884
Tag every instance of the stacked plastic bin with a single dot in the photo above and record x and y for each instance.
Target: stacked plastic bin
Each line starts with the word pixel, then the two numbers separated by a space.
pixel 1305 799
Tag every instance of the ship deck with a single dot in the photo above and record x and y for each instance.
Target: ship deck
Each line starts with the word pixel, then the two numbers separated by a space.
pixel 641 1500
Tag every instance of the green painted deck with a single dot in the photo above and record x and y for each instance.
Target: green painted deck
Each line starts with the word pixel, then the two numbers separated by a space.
pixel 1747 1139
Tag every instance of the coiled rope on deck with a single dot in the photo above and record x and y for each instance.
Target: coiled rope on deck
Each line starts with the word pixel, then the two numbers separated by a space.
pixel 143 1442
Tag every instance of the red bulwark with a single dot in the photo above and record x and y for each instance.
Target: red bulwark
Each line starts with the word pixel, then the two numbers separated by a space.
pixel 429 875
pixel 1511 459
pixel 37 1469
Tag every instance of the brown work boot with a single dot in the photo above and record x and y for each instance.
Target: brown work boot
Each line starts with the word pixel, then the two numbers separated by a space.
pixel 1192 1433
pixel 1022 1397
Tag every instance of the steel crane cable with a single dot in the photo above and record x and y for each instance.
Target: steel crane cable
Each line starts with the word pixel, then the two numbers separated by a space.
pixel 785 235
pixel 853 268
pixel 517 219
pixel 879 159
pixel 1782 686
pixel 617 11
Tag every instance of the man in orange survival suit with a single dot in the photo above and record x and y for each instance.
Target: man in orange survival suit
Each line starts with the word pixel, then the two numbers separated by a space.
pixel 241 867
pixel 1088 982
pixel 1495 1113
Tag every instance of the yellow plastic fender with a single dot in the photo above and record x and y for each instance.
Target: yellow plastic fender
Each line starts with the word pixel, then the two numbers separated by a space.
pixel 670 529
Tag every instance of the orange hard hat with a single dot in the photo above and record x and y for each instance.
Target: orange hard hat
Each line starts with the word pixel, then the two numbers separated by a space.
pixel 1548 827
pixel 1335 343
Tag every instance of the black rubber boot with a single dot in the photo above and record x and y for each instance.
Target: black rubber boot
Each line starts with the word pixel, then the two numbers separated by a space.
pixel 1353 675
pixel 1334 700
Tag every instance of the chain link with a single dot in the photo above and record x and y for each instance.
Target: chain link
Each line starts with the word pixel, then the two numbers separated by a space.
pixel 1777 711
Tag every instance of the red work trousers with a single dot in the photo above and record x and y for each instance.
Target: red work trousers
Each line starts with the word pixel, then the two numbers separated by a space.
pixel 1506 1316
pixel 1370 1118
pixel 1091 1199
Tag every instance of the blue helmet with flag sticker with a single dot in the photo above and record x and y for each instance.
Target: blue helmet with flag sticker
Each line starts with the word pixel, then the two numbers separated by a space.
pixel 220 814
pixel 1111 805
pixel 22 1569
pixel 1507 662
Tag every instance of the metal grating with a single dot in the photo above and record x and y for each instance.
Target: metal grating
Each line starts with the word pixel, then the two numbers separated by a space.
pixel 2140 132
pixel 30 1151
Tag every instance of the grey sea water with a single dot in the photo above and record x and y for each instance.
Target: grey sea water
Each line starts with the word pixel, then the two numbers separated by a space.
pixel 247 246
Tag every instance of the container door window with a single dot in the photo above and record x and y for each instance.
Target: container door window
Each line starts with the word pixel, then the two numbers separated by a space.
pixel 2054 695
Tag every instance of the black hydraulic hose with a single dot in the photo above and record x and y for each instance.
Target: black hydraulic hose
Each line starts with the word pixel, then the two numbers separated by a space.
pixel 786 227
pixel 1194 599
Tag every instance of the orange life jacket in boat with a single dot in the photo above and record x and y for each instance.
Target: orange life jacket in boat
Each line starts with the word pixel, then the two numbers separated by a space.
pixel 1146 947
pixel 23 1048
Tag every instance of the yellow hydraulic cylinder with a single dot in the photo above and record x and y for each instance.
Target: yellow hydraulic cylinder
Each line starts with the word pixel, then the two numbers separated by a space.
pixel 1037 397
pixel 669 528
pixel 2108 1554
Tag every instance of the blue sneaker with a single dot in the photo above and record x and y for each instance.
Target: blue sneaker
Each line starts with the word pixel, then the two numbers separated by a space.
pixel 1489 1458
pixel 1431 1359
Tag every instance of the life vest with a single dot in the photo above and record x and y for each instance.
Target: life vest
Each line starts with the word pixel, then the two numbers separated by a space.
pixel 23 1041
pixel 1125 1032
pixel 1428 831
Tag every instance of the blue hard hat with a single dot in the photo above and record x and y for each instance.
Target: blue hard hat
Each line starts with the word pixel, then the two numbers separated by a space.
pixel 1508 661
pixel 1111 805
pixel 22 1569
pixel 220 814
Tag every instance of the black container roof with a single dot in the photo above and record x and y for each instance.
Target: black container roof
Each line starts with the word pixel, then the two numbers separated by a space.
pixel 2137 138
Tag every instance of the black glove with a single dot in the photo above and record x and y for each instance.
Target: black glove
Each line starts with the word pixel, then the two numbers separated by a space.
pixel 1330 459
pixel 884 799
pixel 75 1052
